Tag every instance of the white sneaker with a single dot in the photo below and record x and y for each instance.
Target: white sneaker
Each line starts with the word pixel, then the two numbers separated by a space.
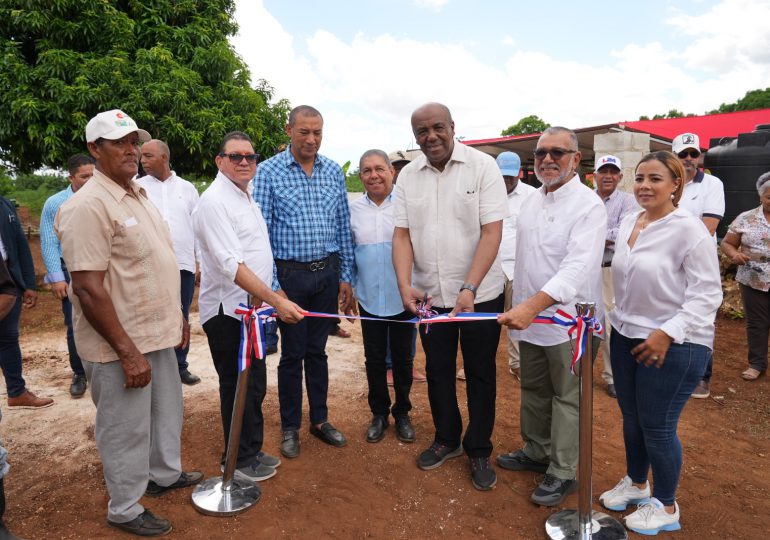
pixel 651 518
pixel 625 493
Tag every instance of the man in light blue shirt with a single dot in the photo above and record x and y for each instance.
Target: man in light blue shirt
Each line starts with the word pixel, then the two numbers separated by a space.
pixel 81 168
pixel 371 225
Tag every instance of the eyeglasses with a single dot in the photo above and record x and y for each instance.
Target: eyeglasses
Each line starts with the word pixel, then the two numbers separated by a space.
pixel 556 153
pixel 692 152
pixel 235 159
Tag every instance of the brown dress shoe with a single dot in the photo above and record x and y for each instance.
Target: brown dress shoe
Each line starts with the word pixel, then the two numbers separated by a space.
pixel 28 400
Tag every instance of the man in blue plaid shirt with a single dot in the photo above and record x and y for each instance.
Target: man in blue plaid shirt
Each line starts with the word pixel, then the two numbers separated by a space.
pixel 304 202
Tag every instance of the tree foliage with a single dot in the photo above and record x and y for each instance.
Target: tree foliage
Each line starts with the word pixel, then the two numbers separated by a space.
pixel 167 63
pixel 754 99
pixel 528 124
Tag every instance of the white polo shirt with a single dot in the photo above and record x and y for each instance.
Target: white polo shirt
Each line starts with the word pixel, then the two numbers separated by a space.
pixel 175 199
pixel 230 230
pixel 444 212
pixel 559 251
pixel 704 196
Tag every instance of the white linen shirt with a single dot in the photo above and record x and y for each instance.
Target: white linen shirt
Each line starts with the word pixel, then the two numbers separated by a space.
pixel 559 251
pixel 175 199
pixel 444 212
pixel 669 280
pixel 508 243
pixel 230 230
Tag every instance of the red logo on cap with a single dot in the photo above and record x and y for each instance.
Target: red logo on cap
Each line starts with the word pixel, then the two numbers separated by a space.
pixel 119 115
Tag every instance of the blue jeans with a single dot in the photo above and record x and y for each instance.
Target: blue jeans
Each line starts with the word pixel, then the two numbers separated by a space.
pixel 651 400
pixel 10 352
pixel 304 343
pixel 66 308
pixel 188 288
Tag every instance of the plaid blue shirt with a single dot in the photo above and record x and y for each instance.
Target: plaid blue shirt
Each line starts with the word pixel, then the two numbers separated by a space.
pixel 49 242
pixel 307 218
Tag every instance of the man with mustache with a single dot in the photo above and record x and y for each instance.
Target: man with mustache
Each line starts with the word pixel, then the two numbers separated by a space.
pixel 127 316
pixel 560 241
pixel 304 201
pixel 450 206
pixel 704 197
pixel 608 174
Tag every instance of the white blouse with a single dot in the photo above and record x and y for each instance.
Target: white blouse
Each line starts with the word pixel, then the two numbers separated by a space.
pixel 669 280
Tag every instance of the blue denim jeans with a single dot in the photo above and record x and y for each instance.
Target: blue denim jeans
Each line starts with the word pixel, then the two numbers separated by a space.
pixel 651 400
pixel 188 289
pixel 10 353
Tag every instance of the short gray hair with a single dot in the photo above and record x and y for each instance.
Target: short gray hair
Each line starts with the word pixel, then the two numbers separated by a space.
pixel 374 152
pixel 555 130
pixel 763 183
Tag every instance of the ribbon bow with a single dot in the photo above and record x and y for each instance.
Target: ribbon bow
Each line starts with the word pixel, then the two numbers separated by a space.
pixel 579 326
pixel 425 312
pixel 252 332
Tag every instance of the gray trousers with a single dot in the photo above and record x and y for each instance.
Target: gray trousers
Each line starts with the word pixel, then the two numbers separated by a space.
pixel 550 398
pixel 138 430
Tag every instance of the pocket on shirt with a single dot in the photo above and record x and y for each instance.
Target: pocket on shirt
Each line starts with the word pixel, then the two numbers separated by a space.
pixel 288 201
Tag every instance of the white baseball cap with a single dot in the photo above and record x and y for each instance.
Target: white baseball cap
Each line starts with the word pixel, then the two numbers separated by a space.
pixel 608 160
pixel 685 141
pixel 112 125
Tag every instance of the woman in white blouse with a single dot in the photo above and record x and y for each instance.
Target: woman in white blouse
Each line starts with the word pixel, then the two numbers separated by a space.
pixel 667 291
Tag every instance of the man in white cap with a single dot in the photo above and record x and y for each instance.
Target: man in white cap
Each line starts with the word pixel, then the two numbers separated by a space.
pixel 618 203
pixel 704 197
pixel 127 320
pixel 399 159
pixel 510 167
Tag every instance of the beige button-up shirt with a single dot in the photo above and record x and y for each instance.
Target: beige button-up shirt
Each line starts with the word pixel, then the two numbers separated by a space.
pixel 444 212
pixel 104 228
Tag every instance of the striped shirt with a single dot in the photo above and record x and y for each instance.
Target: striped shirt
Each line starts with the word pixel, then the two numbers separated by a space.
pixel 375 278
pixel 618 205
pixel 307 217
pixel 49 242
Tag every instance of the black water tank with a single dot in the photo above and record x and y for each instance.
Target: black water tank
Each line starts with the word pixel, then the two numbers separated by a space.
pixel 738 162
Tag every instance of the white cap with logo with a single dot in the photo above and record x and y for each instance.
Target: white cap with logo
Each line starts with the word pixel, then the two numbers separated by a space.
pixel 685 141
pixel 608 160
pixel 113 125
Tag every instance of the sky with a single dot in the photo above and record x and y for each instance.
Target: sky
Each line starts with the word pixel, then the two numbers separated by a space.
pixel 367 65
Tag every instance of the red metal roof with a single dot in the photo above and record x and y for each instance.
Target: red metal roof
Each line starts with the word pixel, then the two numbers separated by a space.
pixel 707 127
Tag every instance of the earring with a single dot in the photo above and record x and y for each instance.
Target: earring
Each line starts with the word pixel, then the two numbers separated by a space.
pixel 672 196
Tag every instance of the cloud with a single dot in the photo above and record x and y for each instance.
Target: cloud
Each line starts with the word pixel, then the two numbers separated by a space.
pixel 435 4
pixel 508 40
pixel 368 85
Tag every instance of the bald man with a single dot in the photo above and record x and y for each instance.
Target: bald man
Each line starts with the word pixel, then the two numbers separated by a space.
pixel 175 199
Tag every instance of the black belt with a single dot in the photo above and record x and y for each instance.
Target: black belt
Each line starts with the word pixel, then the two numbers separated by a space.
pixel 313 266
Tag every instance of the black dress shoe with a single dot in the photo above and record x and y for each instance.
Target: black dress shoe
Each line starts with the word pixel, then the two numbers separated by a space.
pixel 611 391
pixel 290 444
pixel 185 479
pixel 145 524
pixel 404 429
pixel 78 386
pixel 328 434
pixel 188 378
pixel 376 430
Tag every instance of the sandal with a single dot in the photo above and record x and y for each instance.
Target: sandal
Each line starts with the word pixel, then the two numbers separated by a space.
pixel 751 374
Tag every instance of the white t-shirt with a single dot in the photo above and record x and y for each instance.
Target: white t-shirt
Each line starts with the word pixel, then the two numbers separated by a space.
pixel 508 243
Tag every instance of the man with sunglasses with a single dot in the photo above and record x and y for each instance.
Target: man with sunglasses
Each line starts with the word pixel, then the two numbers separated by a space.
pixel 175 199
pixel 449 208
pixel 560 241
pixel 304 201
pixel 704 197
pixel 127 319
pixel 236 261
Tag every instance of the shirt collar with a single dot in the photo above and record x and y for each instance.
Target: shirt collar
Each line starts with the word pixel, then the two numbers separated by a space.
pixel 229 184
pixel 114 189
pixel 291 160
pixel 565 190
pixel 699 176
pixel 387 200
pixel 459 154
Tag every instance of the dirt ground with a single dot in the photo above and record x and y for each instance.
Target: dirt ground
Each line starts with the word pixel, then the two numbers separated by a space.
pixel 55 488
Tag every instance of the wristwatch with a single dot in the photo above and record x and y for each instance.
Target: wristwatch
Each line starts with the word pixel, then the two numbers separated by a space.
pixel 469 287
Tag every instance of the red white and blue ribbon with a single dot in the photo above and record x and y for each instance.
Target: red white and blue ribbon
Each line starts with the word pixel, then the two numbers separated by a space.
pixel 578 326
pixel 252 332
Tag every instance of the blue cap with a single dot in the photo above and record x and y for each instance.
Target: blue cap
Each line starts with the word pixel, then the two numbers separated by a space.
pixel 509 163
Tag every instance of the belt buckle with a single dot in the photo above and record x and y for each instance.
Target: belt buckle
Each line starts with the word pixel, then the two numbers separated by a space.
pixel 315 266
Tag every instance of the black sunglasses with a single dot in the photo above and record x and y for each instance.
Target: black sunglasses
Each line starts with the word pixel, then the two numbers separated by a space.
pixel 235 159
pixel 556 153
pixel 692 152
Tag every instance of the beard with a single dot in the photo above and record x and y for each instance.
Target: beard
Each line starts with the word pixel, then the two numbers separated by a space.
pixel 551 182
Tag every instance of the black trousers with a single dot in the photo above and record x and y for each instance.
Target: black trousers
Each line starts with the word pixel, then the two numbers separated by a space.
pixel 756 303
pixel 478 342
pixel 224 337
pixel 377 335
